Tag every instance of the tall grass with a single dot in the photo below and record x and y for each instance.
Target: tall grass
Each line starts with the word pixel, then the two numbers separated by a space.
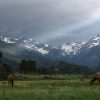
pixel 50 90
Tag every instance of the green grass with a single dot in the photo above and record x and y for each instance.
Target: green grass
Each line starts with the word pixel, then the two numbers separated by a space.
pixel 72 89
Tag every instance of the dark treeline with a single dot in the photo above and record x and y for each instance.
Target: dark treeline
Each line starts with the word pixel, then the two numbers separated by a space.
pixel 5 69
pixel 28 66
pixel 31 67
pixel 60 67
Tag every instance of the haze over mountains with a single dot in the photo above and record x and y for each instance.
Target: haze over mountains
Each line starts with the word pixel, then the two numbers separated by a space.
pixel 17 48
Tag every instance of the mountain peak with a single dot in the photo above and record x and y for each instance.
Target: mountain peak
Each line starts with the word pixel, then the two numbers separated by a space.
pixel 72 48
pixel 94 41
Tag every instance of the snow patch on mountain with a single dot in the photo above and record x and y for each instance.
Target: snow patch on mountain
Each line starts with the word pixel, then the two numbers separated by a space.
pixel 7 39
pixel 35 46
pixel 72 48
pixel 94 44
pixel 42 50
pixel 95 41
pixel 46 45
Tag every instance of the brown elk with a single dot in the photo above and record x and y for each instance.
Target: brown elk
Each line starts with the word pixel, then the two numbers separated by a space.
pixel 96 78
pixel 11 79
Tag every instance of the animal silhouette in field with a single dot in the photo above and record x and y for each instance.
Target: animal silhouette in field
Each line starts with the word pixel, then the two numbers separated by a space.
pixel 96 78
pixel 11 79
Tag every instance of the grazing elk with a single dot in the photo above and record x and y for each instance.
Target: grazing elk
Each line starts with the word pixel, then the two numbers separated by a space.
pixel 96 78
pixel 11 79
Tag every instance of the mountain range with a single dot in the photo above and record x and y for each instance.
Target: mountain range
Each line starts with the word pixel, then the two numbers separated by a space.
pixel 17 48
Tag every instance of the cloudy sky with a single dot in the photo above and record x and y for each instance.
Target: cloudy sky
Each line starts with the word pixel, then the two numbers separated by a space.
pixel 53 21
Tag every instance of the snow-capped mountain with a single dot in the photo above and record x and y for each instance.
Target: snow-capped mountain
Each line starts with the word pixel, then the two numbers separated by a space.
pixel 72 48
pixel 94 41
pixel 28 44
pixel 15 49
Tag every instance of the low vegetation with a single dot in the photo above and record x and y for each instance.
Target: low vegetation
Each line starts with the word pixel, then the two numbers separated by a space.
pixel 43 89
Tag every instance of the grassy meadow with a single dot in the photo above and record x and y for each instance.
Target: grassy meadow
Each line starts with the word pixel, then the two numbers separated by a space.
pixel 37 88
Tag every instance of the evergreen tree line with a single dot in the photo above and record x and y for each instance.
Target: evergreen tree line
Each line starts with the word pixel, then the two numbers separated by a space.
pixel 31 66
pixel 56 68
pixel 5 69
pixel 28 66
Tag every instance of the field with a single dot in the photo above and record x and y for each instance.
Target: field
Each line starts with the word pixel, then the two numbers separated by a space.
pixel 50 89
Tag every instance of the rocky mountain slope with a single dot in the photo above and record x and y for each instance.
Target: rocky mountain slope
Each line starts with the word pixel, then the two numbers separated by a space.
pixel 16 49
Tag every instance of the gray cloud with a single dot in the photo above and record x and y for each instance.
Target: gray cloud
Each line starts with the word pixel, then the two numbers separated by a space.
pixel 49 19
